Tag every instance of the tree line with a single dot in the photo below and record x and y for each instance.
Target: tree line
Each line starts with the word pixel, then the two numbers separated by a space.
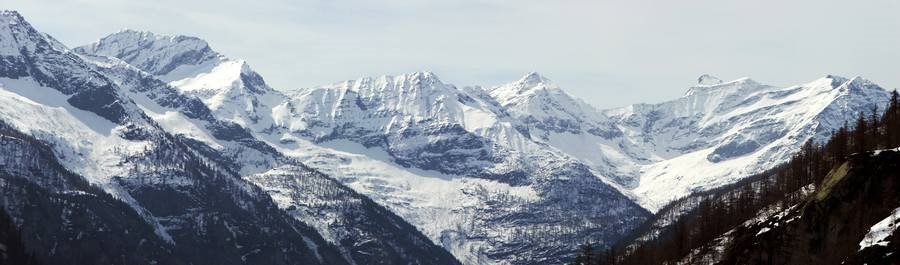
pixel 711 213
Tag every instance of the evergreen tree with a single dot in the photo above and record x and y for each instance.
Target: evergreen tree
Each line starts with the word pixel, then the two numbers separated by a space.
pixel 586 256
pixel 891 121
pixel 859 134
pixel 13 251
pixel 874 133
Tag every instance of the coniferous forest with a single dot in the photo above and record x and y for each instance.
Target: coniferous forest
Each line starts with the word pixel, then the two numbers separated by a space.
pixel 12 249
pixel 696 220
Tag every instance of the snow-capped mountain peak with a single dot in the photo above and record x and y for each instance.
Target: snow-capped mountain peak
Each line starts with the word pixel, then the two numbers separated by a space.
pixel 415 97
pixel 857 82
pixel 425 77
pixel 534 79
pixel 410 82
pixel 10 18
pixel 530 85
pixel 227 75
pixel 229 87
pixel 835 80
pixel 17 34
pixel 708 80
pixel 172 57
pixel 539 102
pixel 855 86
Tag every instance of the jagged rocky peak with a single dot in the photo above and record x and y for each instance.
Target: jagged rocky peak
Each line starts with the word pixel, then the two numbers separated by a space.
pixel 422 78
pixel 854 85
pixel 535 89
pixel 708 80
pixel 404 83
pixel 10 18
pixel 530 86
pixel 529 83
pixel 836 80
pixel 828 81
pixel 418 79
pixel 533 79
pixel 541 103
pixel 155 53
pixel 17 34
pixel 186 62
pixel 19 40
pixel 851 83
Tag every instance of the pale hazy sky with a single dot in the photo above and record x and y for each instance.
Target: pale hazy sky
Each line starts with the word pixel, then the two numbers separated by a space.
pixel 609 53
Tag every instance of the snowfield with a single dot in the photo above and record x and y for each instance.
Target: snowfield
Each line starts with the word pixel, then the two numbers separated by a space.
pixel 879 232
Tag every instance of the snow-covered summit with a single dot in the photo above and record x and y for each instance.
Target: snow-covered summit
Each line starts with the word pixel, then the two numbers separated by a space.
pixel 708 80
pixel 857 83
pixel 10 18
pixel 542 104
pixel 17 34
pixel 229 87
pixel 172 57
pixel 388 103
pixel 530 85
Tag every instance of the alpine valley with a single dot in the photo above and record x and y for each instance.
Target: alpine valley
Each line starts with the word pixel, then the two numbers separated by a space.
pixel 143 148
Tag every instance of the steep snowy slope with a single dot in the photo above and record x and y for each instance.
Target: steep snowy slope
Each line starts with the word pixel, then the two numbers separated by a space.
pixel 229 88
pixel 51 96
pixel 554 118
pixel 734 129
pixel 361 229
pixel 169 57
pixel 543 105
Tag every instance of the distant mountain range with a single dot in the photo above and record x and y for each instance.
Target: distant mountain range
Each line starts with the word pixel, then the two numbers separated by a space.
pixel 146 148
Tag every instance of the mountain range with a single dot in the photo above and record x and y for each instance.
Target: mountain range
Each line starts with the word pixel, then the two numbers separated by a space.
pixel 158 143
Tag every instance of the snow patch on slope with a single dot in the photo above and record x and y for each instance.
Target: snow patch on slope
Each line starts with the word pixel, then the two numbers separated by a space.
pixel 878 234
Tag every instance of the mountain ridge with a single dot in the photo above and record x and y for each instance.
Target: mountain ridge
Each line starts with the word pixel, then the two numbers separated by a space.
pixel 420 120
pixel 514 173
pixel 190 194
pixel 461 133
